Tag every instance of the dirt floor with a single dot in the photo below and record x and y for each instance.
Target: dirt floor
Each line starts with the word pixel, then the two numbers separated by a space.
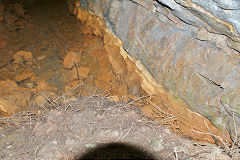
pixel 64 111
pixel 77 126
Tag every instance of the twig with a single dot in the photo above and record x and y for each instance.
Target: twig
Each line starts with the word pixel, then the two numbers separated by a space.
pixel 215 140
pixel 68 105
pixel 158 108
pixel 138 99
pixel 95 92
pixel 120 134
pixel 236 135
pixel 68 92
pixel 212 135
pixel 36 151
pixel 127 131
pixel 76 71
pixel 18 154
pixel 5 64
pixel 198 153
pixel 175 153
pixel 51 102
pixel 44 108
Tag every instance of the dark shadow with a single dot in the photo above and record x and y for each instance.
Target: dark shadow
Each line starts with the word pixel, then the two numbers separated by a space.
pixel 116 151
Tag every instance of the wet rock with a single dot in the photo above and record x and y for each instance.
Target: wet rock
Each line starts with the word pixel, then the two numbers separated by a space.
pixel 70 59
pixel 22 57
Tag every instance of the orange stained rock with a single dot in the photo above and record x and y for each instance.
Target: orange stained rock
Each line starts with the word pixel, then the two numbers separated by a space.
pixel 13 98
pixel 72 85
pixel 7 86
pixel 7 107
pixel 23 76
pixel 22 56
pixel 77 73
pixel 70 59
pixel 44 86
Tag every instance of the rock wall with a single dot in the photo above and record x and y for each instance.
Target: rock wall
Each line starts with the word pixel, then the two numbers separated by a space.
pixel 190 47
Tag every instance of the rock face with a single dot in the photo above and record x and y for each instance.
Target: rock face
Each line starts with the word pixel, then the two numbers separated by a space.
pixel 189 46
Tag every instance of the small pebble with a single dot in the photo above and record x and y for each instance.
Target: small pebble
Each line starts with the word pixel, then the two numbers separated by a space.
pixel 54 142
pixel 10 146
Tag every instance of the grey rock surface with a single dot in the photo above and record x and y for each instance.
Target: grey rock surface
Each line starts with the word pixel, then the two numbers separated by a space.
pixel 189 46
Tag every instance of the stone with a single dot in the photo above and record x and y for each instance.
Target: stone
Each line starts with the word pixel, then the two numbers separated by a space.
pixel 42 57
pixel 8 107
pixel 70 59
pixel 30 85
pixel 22 57
pixel 13 98
pixel 7 86
pixel 81 73
pixel 23 77
pixel 113 98
pixel 42 85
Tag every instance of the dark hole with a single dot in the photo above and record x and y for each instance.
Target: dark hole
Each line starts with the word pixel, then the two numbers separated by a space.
pixel 116 151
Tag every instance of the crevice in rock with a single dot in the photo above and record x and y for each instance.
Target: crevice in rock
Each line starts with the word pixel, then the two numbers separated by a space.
pixel 164 5
pixel 225 8
pixel 211 81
